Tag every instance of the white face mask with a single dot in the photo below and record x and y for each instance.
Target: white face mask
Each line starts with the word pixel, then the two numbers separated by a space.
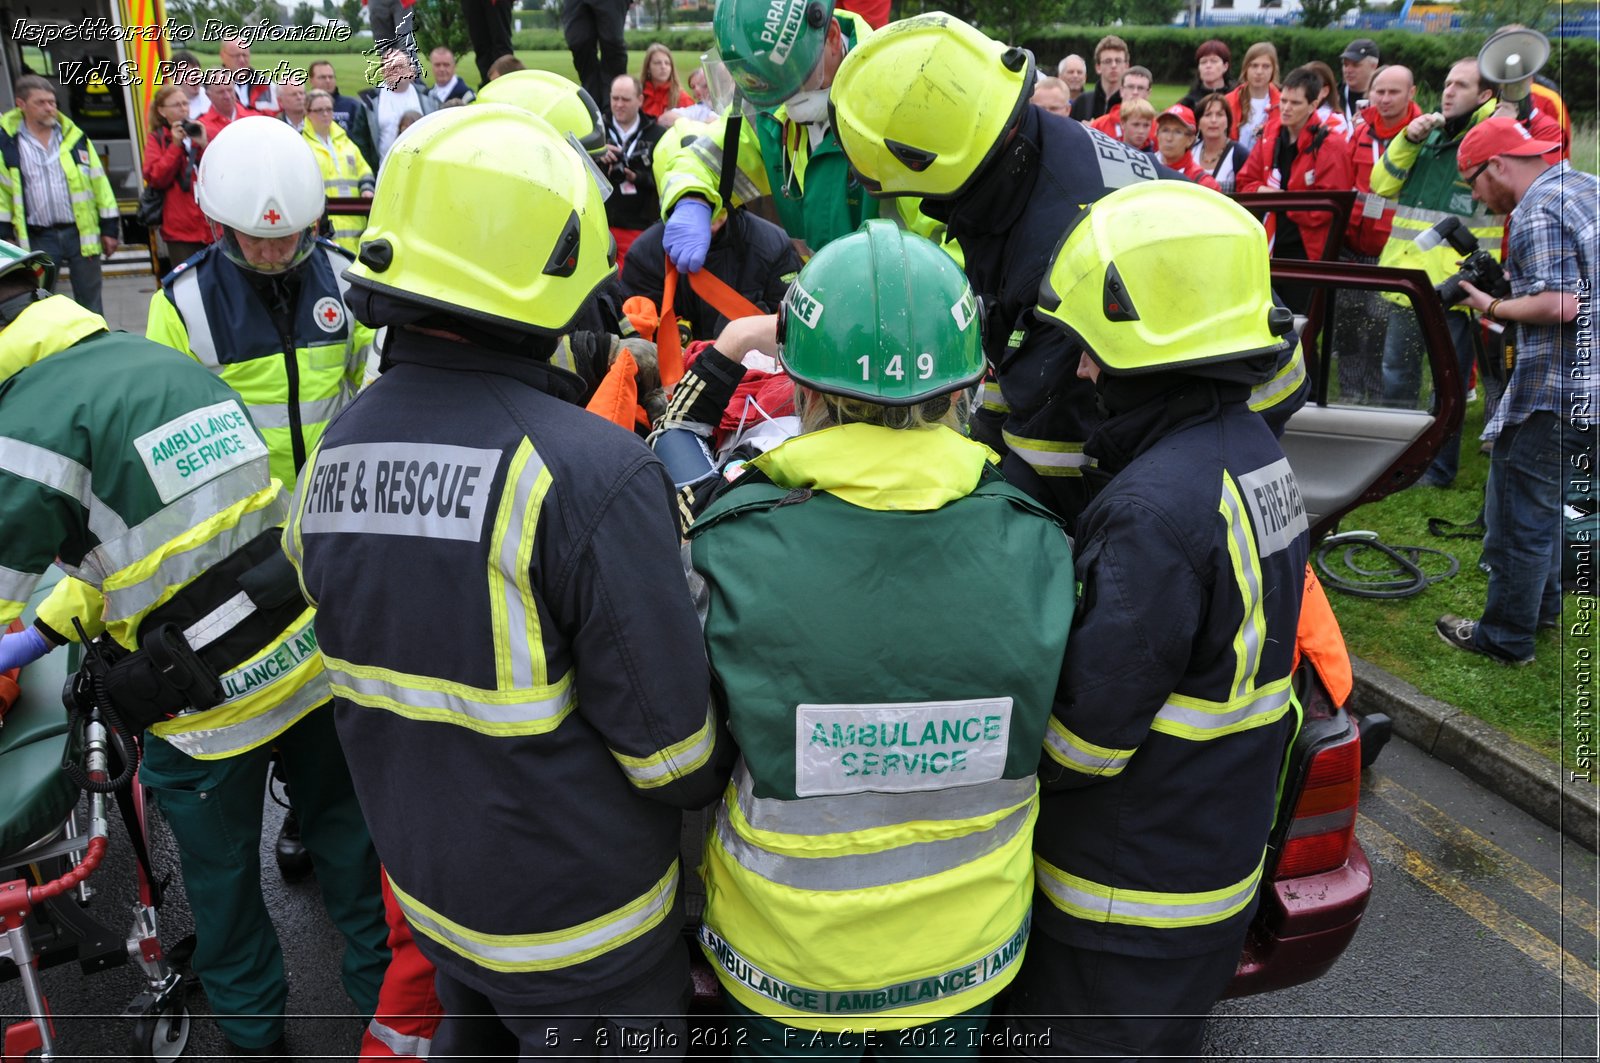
pixel 809 108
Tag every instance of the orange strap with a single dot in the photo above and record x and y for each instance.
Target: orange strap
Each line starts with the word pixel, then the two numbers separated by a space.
pixel 722 297
pixel 617 397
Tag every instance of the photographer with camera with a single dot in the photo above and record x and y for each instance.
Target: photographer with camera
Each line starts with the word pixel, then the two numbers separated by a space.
pixel 1543 425
pixel 171 158
pixel 631 140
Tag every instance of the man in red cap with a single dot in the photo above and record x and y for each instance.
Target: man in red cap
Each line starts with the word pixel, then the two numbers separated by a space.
pixel 1543 427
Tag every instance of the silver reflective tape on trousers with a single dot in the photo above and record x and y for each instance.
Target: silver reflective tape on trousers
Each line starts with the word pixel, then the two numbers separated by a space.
pixel 859 871
pixel 33 462
pixel 865 811
pixel 399 1043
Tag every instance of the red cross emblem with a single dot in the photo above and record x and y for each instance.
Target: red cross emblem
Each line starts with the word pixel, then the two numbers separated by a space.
pixel 330 315
pixel 272 216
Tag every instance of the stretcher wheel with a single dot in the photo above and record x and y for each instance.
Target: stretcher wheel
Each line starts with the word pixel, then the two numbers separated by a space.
pixel 161 1032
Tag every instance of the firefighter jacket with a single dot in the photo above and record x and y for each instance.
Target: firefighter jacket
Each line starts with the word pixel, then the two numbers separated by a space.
pixel 816 195
pixel 1427 187
pixel 518 673
pixel 1175 709
pixel 871 861
pixel 218 314
pixel 1371 220
pixel 141 485
pixel 94 205
pixel 345 175
pixel 1008 224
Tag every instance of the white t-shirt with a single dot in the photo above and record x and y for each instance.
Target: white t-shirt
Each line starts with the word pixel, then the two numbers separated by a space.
pixel 1253 125
pixel 392 106
pixel 198 106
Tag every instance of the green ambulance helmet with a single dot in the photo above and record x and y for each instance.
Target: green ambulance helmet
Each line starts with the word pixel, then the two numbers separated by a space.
pixel 882 315
pixel 14 258
pixel 770 47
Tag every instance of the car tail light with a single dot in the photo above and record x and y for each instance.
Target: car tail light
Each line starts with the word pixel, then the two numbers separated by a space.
pixel 1325 816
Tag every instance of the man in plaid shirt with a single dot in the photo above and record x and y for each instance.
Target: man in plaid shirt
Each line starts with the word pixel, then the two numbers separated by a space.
pixel 1543 429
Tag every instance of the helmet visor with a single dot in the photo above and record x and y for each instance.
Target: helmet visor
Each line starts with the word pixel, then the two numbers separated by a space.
pixel 750 80
pixel 270 255
pixel 601 181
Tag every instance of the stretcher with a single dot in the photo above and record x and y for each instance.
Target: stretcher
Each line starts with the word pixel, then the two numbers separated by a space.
pixel 52 838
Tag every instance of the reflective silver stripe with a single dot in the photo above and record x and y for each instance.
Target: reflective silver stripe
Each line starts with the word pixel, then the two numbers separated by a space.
pixel 859 871
pixel 708 150
pixel 32 462
pixel 1264 707
pixel 1433 217
pixel 82 197
pixel 185 295
pixel 399 1043
pixel 552 949
pixel 672 763
pixel 174 571
pixel 1264 396
pixel 371 691
pixel 16 585
pixel 1244 543
pixel 1084 756
pixel 517 535
pixel 1048 457
pixel 1107 904
pixel 221 620
pixel 186 512
pixel 276 414
pixel 985 968
pixel 815 816
pixel 249 733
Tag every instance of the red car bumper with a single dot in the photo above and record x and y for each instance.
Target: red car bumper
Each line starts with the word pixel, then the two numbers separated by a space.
pixel 1303 926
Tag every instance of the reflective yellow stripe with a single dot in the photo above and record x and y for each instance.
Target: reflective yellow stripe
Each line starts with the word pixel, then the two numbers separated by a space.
pixel 1049 457
pixel 1070 751
pixel 1247 577
pixel 990 398
pixel 519 659
pixel 133 591
pixel 550 950
pixel 512 712
pixel 675 761
pixel 1199 720
pixel 1282 385
pixel 1099 903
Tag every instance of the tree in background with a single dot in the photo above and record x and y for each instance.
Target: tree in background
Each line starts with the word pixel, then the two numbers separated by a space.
pixel 1317 14
pixel 436 22
pixel 303 15
pixel 1492 14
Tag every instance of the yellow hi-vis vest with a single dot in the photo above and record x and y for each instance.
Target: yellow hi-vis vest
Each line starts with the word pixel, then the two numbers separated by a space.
pixel 345 175
pixel 94 204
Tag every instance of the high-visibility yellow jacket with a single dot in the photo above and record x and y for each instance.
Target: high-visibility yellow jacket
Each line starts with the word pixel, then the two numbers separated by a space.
pixel 345 174
pixel 94 205
pixel 210 309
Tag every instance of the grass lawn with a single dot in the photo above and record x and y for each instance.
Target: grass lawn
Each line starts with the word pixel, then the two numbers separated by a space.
pixel 1398 635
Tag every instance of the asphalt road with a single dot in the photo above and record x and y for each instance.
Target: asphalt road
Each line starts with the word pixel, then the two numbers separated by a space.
pixel 1480 944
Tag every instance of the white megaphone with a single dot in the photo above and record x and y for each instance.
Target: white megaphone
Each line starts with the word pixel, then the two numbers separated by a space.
pixel 1510 58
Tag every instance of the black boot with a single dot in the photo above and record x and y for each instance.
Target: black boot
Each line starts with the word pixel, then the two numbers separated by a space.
pixel 294 863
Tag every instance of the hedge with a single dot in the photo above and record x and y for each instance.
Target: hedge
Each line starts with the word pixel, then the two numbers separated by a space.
pixel 1169 53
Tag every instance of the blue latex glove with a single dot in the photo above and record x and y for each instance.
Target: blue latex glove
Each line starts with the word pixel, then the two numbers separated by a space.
pixel 687 236
pixel 18 649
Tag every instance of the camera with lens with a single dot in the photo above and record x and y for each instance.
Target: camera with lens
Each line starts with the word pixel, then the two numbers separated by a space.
pixel 1478 267
pixel 194 129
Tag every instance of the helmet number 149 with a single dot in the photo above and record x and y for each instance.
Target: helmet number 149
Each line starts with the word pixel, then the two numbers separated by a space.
pixel 896 367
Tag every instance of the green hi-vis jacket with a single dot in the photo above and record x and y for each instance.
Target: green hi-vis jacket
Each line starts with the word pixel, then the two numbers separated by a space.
pixel 872 860
pixel 137 472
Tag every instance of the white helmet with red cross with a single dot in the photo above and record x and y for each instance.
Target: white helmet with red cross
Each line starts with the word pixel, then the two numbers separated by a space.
pixel 258 177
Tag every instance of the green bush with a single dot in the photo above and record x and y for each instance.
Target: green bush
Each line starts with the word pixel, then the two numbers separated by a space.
pixel 1169 52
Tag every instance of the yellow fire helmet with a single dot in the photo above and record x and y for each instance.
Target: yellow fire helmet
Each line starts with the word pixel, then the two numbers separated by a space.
pixel 923 103
pixel 1165 275
pixel 563 103
pixel 528 261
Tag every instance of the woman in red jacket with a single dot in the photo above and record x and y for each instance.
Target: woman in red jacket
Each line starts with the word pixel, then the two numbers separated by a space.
pixel 659 76
pixel 171 157
pixel 1255 102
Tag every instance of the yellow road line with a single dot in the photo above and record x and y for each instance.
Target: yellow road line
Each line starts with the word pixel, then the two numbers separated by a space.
pixel 1497 920
pixel 1536 884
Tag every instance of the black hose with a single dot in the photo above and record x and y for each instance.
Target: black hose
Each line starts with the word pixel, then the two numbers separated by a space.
pixel 119 746
pixel 1397 574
